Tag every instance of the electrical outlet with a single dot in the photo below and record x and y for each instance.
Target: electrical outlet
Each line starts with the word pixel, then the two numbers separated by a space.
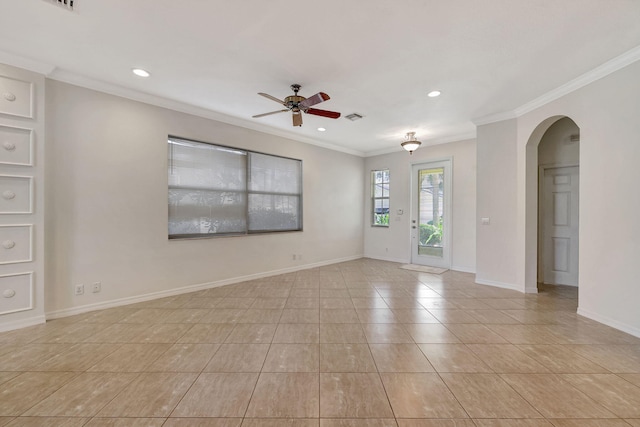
pixel 96 287
pixel 79 290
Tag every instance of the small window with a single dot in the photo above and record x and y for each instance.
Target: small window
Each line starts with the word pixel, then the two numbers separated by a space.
pixel 380 198
pixel 216 191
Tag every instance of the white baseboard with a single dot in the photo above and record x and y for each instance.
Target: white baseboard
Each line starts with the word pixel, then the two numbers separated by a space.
pixel 463 269
pixel 511 286
pixel 609 322
pixel 23 323
pixel 187 289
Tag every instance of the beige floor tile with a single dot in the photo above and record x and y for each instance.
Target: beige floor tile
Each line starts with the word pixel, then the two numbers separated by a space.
pixel 130 358
pixel 415 315
pixel 252 333
pixel 118 333
pixel 386 333
pixel 437 303
pixel 185 315
pixel 513 423
pixel 150 395
pixel 475 334
pixel 503 303
pixel 353 395
pixel 259 315
pixel 292 358
pixel 31 356
pixel 184 358
pixel 207 333
pixel 436 423
pixel 421 395
pixel 554 397
pixel 632 378
pixel 203 422
pixel 369 422
pixel 285 395
pixel 488 396
pixel 233 302
pixel 369 302
pixel 269 303
pixel 126 422
pixel 560 359
pixel 346 358
pixel 83 396
pixel 334 293
pixel 507 358
pixel 47 421
pixel 24 391
pixel 221 395
pixel 525 334
pixel 335 303
pixel 492 316
pixel 223 315
pixel 238 358
pixel 202 303
pixel 167 333
pixel 614 393
pixel 280 422
pixel 78 357
pixel 400 358
pixel 376 315
pixel 291 333
pixel 6 376
pixel 453 316
pixel 146 316
pixel 634 422
pixel 624 359
pixel 453 358
pixel 469 304
pixel 72 333
pixel 589 423
pixel 307 302
pixel 300 315
pixel 339 315
pixel 304 293
pixel 402 302
pixel 430 334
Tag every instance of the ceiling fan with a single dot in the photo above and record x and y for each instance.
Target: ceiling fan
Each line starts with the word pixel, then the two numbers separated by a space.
pixel 298 104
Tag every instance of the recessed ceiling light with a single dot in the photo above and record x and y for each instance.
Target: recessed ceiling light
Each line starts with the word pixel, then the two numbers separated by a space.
pixel 140 72
pixel 321 129
pixel 433 93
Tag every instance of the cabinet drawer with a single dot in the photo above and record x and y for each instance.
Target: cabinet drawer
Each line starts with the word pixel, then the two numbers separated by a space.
pixel 15 194
pixel 16 97
pixel 16 292
pixel 15 243
pixel 16 146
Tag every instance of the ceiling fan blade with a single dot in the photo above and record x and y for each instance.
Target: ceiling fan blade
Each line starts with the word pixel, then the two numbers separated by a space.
pixel 323 113
pixel 313 100
pixel 273 98
pixel 268 114
pixel 297 119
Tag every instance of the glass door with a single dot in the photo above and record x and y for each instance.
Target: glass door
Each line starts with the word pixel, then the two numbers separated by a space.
pixel 431 214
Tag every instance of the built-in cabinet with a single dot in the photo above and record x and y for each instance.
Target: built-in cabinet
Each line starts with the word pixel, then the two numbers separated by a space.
pixel 21 198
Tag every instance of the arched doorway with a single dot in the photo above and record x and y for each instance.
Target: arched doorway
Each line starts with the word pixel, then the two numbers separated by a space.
pixel 552 176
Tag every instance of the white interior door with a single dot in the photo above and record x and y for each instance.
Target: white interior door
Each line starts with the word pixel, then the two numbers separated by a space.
pixel 431 214
pixel 560 225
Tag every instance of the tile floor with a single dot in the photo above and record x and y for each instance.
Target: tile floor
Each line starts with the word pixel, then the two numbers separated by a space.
pixel 361 343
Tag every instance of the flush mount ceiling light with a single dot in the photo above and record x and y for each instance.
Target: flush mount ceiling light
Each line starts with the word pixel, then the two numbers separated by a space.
pixel 411 144
pixel 434 93
pixel 321 129
pixel 140 72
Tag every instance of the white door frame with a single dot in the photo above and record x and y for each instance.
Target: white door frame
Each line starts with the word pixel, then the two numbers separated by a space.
pixel 445 261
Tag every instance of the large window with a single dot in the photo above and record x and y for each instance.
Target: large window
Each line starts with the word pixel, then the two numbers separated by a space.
pixel 216 190
pixel 380 198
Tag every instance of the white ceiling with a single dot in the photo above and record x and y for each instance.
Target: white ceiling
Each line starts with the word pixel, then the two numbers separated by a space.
pixel 378 58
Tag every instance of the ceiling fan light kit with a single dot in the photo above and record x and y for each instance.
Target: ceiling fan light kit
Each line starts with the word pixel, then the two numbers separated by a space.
pixel 299 104
pixel 411 144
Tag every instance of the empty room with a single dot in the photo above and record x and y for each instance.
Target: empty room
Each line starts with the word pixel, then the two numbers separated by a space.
pixel 337 214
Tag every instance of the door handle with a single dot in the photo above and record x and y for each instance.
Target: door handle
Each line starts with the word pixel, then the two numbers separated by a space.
pixel 413 226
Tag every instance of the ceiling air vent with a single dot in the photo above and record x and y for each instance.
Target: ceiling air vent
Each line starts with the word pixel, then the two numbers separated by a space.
pixel 67 4
pixel 354 116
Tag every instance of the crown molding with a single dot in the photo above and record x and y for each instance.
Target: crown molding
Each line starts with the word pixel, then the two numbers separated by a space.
pixel 26 63
pixel 492 118
pixel 171 104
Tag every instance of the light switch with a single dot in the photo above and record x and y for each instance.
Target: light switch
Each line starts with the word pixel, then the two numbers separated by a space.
pixel 485 221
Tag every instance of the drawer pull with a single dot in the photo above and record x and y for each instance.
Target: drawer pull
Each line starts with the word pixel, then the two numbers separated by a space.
pixel 9 293
pixel 9 96
pixel 8 244
pixel 8 195
pixel 9 146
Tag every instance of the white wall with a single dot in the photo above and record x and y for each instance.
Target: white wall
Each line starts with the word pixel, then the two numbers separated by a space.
pixel 393 243
pixel 107 203
pixel 496 200
pixel 606 111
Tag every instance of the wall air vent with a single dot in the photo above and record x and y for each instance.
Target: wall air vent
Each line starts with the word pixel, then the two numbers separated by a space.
pixel 354 116
pixel 67 4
